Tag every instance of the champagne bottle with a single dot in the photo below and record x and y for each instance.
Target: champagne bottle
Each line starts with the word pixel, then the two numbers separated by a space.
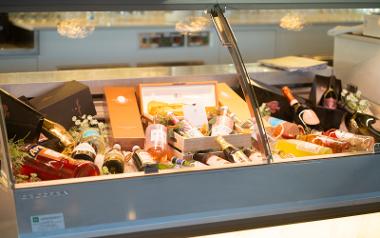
pixel 156 141
pixel 84 151
pixel 300 148
pixel 303 115
pixel 360 123
pixel 210 159
pixel 114 160
pixel 186 128
pixel 322 140
pixel 224 125
pixel 49 164
pixel 54 129
pixel 329 97
pixel 233 154
pixel 143 160
pixel 357 142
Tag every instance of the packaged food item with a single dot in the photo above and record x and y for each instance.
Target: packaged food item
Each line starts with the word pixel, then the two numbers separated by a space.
pixel 300 148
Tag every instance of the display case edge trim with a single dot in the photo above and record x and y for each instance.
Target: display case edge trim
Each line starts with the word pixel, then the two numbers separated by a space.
pixel 114 5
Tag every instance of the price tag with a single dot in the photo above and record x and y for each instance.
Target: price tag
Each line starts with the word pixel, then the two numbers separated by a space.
pixel 195 114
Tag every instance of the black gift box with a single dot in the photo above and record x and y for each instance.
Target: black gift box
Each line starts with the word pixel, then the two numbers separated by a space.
pixel 22 121
pixel 62 103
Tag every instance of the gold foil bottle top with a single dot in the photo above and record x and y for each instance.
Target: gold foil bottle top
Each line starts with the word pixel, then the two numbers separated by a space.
pixel 222 142
pixel 59 131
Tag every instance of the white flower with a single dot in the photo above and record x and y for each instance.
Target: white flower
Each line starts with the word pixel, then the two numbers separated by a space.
pixel 74 118
pixel 89 117
pixel 93 122
pixel 83 116
pixel 77 122
pixel 358 94
pixel 100 125
pixel 344 92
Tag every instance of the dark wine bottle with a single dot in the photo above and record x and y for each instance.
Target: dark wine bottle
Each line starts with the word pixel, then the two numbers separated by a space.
pixel 361 123
pixel 329 97
pixel 303 115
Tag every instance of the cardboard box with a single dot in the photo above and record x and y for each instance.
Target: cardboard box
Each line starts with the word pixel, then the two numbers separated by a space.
pixel 64 102
pixel 228 97
pixel 22 121
pixel 205 93
pixel 124 116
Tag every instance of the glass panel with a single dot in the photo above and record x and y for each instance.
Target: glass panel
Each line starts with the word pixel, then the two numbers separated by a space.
pixel 193 80
pixel 5 163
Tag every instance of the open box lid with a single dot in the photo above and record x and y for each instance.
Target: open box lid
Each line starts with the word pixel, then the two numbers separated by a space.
pixel 203 93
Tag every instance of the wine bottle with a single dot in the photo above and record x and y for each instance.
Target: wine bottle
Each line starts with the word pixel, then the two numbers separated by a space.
pixel 280 128
pixel 143 160
pixel 363 124
pixel 329 97
pixel 156 141
pixel 55 130
pixel 210 159
pixel 84 151
pixel 357 142
pixel 186 128
pixel 181 162
pixel 322 140
pixel 114 160
pixel 238 124
pixel 49 164
pixel 303 115
pixel 223 125
pixel 300 148
pixel 233 154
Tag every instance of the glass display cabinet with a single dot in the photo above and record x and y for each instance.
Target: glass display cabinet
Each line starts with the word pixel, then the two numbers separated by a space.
pixel 274 186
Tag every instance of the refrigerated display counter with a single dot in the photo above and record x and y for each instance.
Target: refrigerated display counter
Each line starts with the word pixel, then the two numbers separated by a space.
pixel 190 201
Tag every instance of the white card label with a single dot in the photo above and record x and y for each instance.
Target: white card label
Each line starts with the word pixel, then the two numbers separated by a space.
pixel 48 222
pixel 195 114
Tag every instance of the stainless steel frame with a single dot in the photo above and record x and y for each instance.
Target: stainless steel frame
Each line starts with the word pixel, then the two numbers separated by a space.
pixel 228 40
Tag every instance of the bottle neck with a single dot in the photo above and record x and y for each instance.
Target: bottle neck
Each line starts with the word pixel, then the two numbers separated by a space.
pixel 223 143
pixel 288 94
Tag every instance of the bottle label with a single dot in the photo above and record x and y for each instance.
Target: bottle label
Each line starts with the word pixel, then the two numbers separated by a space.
pixel 215 160
pixel 157 135
pixel 240 157
pixel 273 122
pixel 34 150
pixel 90 132
pixel 343 135
pixel 84 147
pixel 308 147
pixel 330 103
pixel 220 130
pixel 146 158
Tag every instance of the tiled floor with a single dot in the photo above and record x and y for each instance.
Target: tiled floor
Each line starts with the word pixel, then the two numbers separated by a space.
pixel 360 226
